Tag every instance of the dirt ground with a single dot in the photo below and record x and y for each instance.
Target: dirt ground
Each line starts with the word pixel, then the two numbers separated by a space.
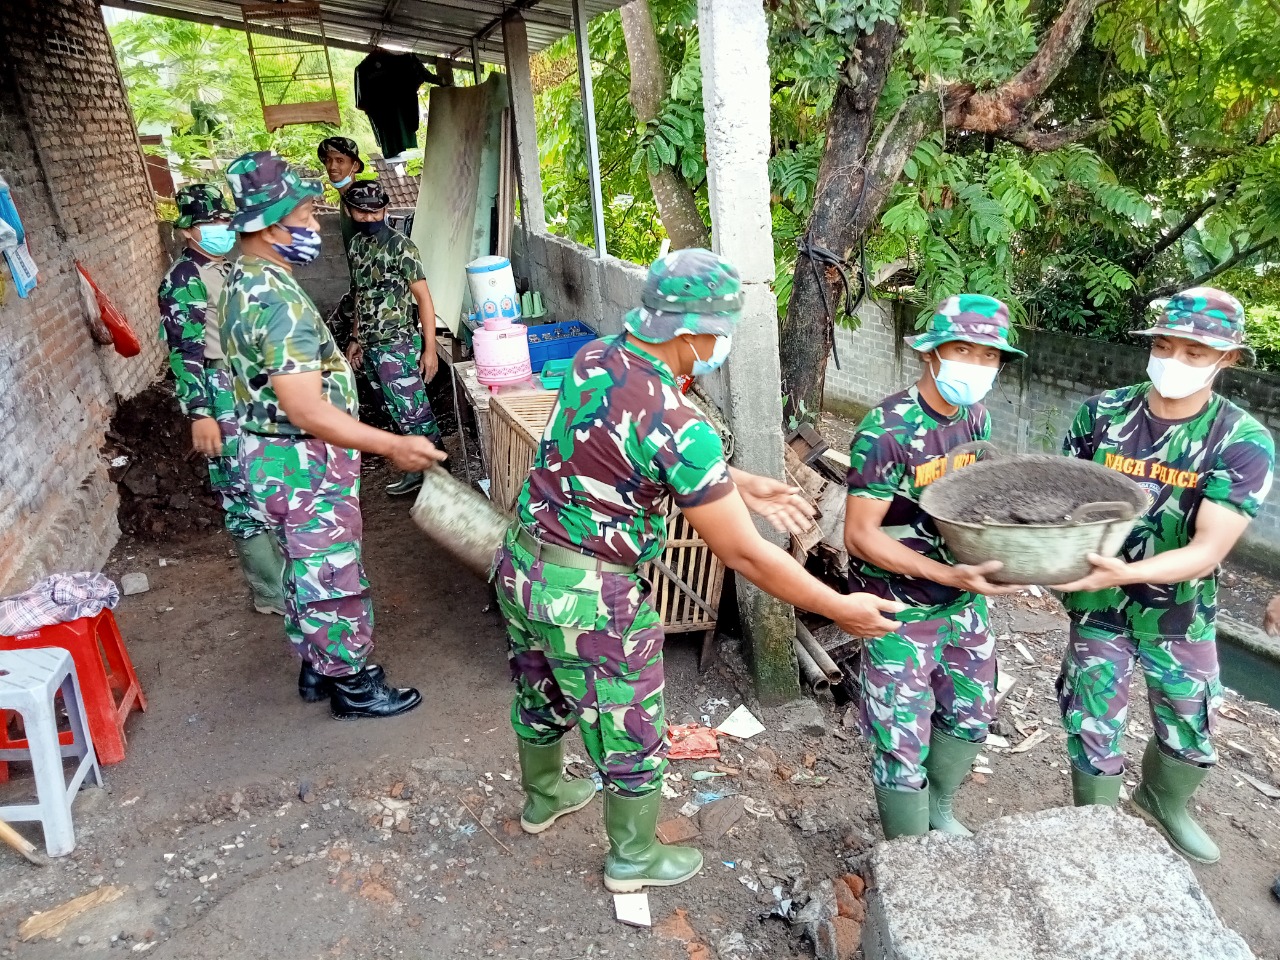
pixel 247 824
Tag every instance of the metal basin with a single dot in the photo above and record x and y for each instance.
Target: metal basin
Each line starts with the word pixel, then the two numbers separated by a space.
pixel 1096 520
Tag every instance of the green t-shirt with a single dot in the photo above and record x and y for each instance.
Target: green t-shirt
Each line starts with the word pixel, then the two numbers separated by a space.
pixel 902 446
pixel 1221 455
pixel 269 327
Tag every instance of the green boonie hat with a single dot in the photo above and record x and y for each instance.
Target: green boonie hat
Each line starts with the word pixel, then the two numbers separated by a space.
pixel 1204 314
pixel 199 203
pixel 970 317
pixel 367 196
pixel 265 190
pixel 688 291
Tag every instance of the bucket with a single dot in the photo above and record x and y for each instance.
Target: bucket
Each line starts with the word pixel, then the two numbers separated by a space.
pixel 502 353
pixel 460 520
pixel 1099 508
pixel 493 289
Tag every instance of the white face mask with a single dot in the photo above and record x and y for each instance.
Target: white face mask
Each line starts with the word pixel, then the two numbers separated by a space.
pixel 963 384
pixel 1175 380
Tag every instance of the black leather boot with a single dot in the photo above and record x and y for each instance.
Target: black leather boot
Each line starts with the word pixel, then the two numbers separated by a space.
pixel 314 686
pixel 362 695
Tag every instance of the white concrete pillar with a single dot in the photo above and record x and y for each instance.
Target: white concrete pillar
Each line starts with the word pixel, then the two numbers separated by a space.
pixel 515 47
pixel 735 99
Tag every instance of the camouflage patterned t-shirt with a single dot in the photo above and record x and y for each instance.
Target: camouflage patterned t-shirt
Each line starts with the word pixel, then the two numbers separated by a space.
pixel 188 299
pixel 902 446
pixel 1222 455
pixel 269 327
pixel 622 442
pixel 382 269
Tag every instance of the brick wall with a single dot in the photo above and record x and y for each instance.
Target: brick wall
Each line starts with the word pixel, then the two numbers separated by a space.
pixel 1034 400
pixel 575 283
pixel 69 153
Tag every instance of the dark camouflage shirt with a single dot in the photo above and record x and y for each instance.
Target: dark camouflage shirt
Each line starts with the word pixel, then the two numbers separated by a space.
pixel 900 448
pixel 622 442
pixel 382 269
pixel 269 327
pixel 1222 455
pixel 188 293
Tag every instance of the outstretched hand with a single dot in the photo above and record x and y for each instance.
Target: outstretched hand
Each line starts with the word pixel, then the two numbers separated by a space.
pixel 1107 572
pixel 783 505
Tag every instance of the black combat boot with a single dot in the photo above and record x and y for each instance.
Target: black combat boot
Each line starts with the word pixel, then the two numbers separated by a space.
pixel 314 686
pixel 362 695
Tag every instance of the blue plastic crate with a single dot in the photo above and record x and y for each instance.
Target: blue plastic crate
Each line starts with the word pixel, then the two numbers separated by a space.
pixel 556 341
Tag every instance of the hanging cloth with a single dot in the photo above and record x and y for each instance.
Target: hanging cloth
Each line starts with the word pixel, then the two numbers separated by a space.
pixel 387 91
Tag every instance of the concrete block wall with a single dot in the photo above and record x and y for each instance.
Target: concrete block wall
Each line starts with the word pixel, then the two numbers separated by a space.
pixel 69 153
pixel 1034 400
pixel 575 284
pixel 327 278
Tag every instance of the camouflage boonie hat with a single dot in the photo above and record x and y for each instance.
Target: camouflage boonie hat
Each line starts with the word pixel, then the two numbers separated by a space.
pixel 688 291
pixel 199 203
pixel 343 145
pixel 970 317
pixel 367 196
pixel 265 190
pixel 1204 314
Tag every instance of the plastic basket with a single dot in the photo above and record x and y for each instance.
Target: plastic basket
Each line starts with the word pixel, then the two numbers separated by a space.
pixel 556 341
pixel 554 372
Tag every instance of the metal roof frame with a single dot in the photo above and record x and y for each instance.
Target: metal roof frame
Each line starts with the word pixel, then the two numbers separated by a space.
pixel 430 28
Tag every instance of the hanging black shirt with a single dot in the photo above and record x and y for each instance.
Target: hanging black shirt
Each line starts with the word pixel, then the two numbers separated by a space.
pixel 387 90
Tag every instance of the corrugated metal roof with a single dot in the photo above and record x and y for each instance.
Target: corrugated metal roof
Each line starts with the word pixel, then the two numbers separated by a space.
pixel 427 27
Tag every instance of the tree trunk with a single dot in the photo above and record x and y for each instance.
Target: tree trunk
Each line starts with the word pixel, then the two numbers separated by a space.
pixel 677 205
pixel 807 329
pixel 852 186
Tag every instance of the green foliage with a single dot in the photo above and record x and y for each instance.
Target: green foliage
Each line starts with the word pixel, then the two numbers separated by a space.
pixel 195 84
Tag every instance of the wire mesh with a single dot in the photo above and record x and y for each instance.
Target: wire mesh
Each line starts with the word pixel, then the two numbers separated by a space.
pixel 290 58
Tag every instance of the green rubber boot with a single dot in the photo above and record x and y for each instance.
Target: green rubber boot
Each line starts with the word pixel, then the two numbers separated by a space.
pixel 636 859
pixel 406 484
pixel 948 763
pixel 548 795
pixel 903 813
pixel 1166 789
pixel 1094 789
pixel 263 568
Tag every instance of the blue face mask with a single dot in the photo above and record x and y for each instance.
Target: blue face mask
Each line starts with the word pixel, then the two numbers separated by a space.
pixel 344 182
pixel 963 384
pixel 304 247
pixel 719 354
pixel 216 239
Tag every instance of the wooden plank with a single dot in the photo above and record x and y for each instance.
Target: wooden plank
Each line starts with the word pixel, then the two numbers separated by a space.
pixel 280 115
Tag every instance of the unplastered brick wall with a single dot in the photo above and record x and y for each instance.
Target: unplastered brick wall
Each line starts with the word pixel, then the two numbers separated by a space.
pixel 574 282
pixel 70 156
pixel 1034 400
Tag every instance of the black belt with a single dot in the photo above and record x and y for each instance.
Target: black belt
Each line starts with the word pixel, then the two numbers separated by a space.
pixel 565 556
pixel 278 436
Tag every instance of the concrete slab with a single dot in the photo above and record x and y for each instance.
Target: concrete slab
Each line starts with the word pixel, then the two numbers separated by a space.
pixel 1086 884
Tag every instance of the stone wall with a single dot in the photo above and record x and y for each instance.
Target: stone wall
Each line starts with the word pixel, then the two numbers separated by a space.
pixel 1034 400
pixel 69 152
pixel 575 284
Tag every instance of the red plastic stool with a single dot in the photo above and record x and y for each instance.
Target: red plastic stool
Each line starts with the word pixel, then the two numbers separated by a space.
pixel 108 683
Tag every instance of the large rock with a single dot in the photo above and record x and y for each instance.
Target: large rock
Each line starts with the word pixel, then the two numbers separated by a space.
pixel 1085 884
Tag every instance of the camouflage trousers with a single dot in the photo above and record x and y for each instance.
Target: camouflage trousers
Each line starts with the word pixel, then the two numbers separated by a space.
pixel 935 670
pixel 309 493
pixel 586 648
pixel 1093 695
pixel 240 515
pixel 393 368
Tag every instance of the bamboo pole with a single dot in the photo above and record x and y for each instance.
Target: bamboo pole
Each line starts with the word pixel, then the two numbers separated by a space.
pixel 819 656
pixel 813 677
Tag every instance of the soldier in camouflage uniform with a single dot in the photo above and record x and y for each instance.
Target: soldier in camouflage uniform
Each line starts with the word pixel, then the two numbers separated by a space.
pixel 1206 466
pixel 202 380
pixel 928 688
pixel 340 157
pixel 296 402
pixel 398 354
pixel 585 643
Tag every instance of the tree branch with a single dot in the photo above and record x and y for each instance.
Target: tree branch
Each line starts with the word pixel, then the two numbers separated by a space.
pixel 1045 141
pixel 1223 267
pixel 1138 260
